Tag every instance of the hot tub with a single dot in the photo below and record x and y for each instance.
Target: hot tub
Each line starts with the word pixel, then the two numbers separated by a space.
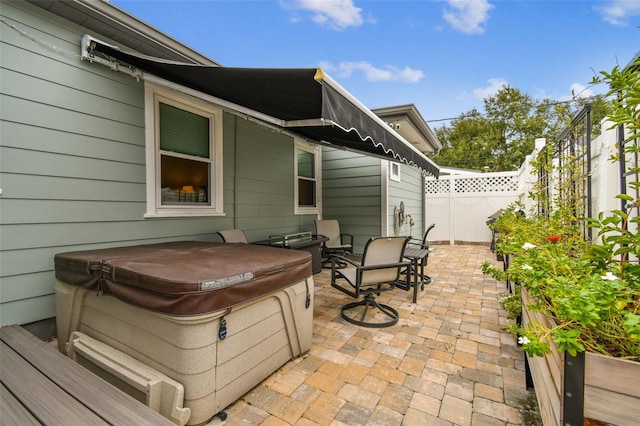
pixel 186 327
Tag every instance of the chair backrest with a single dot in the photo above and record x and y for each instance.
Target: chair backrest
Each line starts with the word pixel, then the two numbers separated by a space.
pixel 383 250
pixel 233 236
pixel 330 229
pixel 425 242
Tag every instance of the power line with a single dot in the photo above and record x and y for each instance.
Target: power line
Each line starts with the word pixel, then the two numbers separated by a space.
pixel 550 104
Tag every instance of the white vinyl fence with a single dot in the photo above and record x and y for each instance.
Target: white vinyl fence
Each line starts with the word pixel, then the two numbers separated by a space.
pixel 460 203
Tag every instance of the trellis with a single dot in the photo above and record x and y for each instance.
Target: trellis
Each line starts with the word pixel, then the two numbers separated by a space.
pixel 628 148
pixel 571 156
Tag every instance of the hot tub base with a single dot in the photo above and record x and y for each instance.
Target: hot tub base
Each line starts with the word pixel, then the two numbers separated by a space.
pixel 185 327
pixel 261 336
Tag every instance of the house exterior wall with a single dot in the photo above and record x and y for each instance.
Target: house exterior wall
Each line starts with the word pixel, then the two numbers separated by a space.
pixel 352 193
pixel 409 190
pixel 262 199
pixel 72 164
pixel 358 192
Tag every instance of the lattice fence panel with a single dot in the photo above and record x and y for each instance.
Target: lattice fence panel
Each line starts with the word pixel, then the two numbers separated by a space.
pixel 474 184
pixel 492 184
pixel 435 187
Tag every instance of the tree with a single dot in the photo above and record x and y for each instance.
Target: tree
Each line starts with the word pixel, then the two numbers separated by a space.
pixel 466 143
pixel 513 115
pixel 505 134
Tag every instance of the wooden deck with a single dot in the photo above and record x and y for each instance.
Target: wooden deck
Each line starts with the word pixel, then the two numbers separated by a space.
pixel 39 385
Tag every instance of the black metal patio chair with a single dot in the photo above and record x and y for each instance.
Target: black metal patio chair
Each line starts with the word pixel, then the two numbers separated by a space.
pixel 337 243
pixel 380 269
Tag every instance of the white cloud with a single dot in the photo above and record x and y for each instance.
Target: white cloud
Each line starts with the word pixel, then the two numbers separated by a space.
pixel 468 16
pixel 388 73
pixel 335 14
pixel 495 84
pixel 617 12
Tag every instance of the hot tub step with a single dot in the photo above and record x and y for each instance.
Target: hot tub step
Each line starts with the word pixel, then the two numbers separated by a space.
pixel 156 390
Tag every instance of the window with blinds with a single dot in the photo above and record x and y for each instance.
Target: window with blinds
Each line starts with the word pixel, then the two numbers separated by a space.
pixel 307 165
pixel 184 154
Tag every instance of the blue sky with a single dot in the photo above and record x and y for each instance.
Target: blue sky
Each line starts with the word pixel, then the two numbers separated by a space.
pixel 443 56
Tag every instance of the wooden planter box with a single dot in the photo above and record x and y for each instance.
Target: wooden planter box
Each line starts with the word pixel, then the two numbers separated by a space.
pixel 589 385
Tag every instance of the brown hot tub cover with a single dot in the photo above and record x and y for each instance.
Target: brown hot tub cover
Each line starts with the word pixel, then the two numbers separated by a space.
pixel 185 278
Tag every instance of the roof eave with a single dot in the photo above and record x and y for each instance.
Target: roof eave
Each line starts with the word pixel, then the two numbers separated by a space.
pixel 109 20
pixel 413 115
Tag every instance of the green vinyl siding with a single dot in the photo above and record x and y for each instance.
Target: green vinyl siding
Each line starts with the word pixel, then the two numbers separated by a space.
pixel 410 191
pixel 73 164
pixel 353 190
pixel 265 183
pixel 352 193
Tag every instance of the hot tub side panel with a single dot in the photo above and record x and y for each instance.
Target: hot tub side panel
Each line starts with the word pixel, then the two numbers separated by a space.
pixel 261 336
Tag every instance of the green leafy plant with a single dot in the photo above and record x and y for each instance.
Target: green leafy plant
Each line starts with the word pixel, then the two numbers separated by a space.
pixel 511 303
pixel 590 290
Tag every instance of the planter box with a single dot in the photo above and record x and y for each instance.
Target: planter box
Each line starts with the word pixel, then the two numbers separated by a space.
pixel 606 388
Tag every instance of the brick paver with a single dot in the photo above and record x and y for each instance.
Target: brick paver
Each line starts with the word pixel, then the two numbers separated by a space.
pixel 447 362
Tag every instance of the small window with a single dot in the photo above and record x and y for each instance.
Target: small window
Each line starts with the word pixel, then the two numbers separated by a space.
pixel 184 156
pixel 394 171
pixel 307 165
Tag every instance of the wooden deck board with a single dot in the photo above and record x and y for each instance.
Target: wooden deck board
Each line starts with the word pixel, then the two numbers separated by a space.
pixel 13 412
pixel 106 403
pixel 44 399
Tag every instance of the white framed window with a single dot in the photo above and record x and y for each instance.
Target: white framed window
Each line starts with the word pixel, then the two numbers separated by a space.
pixel 183 153
pixel 394 171
pixel 308 170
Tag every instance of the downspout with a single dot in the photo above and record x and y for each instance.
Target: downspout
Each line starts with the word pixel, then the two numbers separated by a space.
pixel 384 198
pixel 423 181
pixel 452 209
pixel 235 172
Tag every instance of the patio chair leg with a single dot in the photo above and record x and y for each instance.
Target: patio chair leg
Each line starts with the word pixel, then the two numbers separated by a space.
pixel 364 313
pixel 339 264
pixel 426 280
pixel 369 300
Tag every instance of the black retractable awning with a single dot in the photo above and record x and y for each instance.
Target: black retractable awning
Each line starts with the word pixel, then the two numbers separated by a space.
pixel 304 101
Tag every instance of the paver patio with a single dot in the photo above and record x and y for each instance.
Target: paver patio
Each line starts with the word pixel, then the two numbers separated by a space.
pixel 448 361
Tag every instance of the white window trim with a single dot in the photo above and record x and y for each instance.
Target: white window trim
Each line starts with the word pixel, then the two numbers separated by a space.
pixel 317 151
pixel 154 209
pixel 394 171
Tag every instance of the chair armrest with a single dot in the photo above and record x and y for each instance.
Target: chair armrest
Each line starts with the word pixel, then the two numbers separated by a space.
pixel 417 242
pixel 344 237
